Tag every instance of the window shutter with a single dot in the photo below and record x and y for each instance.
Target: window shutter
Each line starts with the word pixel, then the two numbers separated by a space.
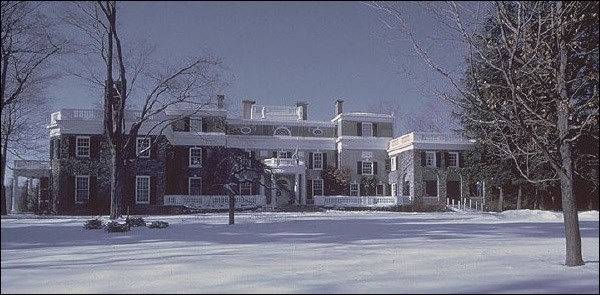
pixel 374 129
pixel 93 189
pixel 275 154
pixel 72 143
pixel 310 160
pixel 186 124
pixel 359 129
pixel 252 158
pixel 438 159
pixel 153 148
pixel 153 188
pixel 324 162
pixel 255 187
pixel 203 155
pixel 185 156
pixel 359 167
pixel 423 160
pixel 57 151
pixel 309 190
pixel 388 165
pixel 94 146
pixel 51 149
pixel 460 160
pixel 289 155
pixel 375 168
pixel 447 159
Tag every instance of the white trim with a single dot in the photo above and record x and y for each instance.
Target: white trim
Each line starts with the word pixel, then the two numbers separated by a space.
pixel 394 189
pixel 457 160
pixel 137 178
pixel 77 146
pixel 190 185
pixel 146 153
pixel 362 171
pixel 190 163
pixel 393 163
pixel 88 189
pixel 314 160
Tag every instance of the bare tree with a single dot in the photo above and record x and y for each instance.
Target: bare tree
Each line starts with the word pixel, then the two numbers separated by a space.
pixel 535 78
pixel 189 86
pixel 28 45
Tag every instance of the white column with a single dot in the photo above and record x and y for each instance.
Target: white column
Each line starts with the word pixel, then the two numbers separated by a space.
pixel 296 189
pixel 14 194
pixel 303 189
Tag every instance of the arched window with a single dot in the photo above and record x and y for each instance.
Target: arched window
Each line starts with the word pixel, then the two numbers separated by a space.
pixel 282 131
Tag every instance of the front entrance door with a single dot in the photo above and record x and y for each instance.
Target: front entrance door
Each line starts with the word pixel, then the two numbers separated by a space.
pixel 284 194
pixel 453 190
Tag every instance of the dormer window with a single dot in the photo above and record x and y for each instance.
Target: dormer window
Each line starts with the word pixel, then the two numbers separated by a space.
pixel 367 129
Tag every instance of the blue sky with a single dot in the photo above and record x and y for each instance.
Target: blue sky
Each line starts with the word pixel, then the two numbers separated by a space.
pixel 279 52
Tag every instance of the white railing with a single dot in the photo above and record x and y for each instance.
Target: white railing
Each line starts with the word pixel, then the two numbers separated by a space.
pixel 95 115
pixel 214 201
pixel 274 162
pixel 475 203
pixel 361 201
pixel 275 112
pixel 426 137
pixel 31 164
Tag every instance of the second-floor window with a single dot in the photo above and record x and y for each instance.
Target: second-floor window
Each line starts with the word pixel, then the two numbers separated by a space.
pixel 367 129
pixel 143 147
pixel 317 160
pixel 82 146
pixel 367 168
pixel 430 160
pixel 452 159
pixel 195 157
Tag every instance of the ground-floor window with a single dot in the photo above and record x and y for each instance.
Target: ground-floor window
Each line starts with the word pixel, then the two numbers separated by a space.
pixel 379 189
pixel 354 189
pixel 142 189
pixel 82 189
pixel 195 186
pixel 431 188
pixel 246 188
pixel 317 187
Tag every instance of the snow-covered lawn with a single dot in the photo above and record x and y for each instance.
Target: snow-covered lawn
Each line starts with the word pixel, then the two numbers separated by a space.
pixel 331 252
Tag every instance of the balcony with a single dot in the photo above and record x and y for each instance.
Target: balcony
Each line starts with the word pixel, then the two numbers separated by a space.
pixel 96 115
pixel 427 138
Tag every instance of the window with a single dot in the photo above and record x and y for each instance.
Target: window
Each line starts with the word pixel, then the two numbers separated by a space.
pixel 284 155
pixel 367 168
pixel 430 159
pixel 195 157
pixel 317 186
pixel 379 189
pixel 367 129
pixel 82 146
pixel 394 163
pixel 394 189
pixel 182 124
pixel 82 189
pixel 143 147
pixel 142 189
pixel 318 161
pixel 430 187
pixel 452 159
pixel 195 186
pixel 196 125
pixel 283 131
pixel 354 188
pixel 246 188
pixel 406 187
pixel 245 160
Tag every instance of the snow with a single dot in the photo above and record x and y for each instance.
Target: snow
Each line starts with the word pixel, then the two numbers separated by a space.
pixel 518 251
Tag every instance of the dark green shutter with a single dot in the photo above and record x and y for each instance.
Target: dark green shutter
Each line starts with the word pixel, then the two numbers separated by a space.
pixel 359 129
pixel 310 160
pixel 359 167
pixel 324 162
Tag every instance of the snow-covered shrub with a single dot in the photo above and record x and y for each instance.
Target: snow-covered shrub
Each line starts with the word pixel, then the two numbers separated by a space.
pixel 136 221
pixel 93 224
pixel 158 224
pixel 114 226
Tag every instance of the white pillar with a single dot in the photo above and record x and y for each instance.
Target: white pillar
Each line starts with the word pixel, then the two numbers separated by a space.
pixel 14 194
pixel 303 188
pixel 296 189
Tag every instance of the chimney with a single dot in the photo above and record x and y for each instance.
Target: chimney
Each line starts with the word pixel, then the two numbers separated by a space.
pixel 220 99
pixel 338 106
pixel 248 108
pixel 303 105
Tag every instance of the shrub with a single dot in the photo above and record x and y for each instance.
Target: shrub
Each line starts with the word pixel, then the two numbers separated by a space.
pixel 93 224
pixel 158 224
pixel 136 221
pixel 114 226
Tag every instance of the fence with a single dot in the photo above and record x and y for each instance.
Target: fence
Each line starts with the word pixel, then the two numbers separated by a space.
pixel 214 201
pixel 361 201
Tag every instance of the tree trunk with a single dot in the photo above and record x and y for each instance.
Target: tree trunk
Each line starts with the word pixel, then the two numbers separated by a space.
pixel 3 156
pixel 519 197
pixel 501 200
pixel 117 179
pixel 231 208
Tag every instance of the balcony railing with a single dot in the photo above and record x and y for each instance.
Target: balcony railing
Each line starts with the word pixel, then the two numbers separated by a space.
pixel 214 201
pixel 96 115
pixel 276 162
pixel 426 137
